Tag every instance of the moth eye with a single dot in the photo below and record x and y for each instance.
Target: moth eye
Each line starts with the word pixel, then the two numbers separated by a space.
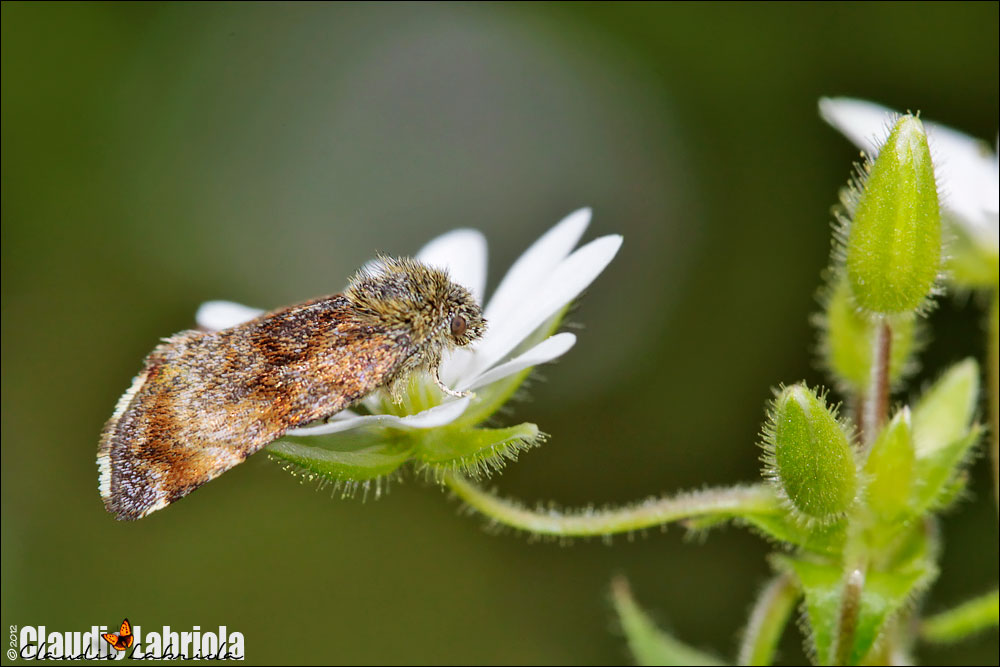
pixel 458 326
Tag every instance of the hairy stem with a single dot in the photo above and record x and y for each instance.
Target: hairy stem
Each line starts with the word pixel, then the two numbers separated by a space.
pixel 767 621
pixel 858 406
pixel 719 503
pixel 876 410
pixel 966 619
pixel 847 623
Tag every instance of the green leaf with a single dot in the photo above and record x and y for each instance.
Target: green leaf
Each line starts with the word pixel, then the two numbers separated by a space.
pixel 846 339
pixel 648 644
pixel 821 585
pixel 889 469
pixel 943 435
pixel 768 620
pixel 939 479
pixel 963 621
pixel 882 595
pixel 808 455
pixel 893 244
pixel 944 412
pixel 476 452
pixel 349 457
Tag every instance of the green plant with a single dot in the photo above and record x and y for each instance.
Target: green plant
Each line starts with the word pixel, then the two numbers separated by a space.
pixel 851 496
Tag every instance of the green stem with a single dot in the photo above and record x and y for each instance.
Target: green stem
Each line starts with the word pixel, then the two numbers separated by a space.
pixel 876 409
pixel 768 620
pixel 719 503
pixel 993 361
pixel 964 620
pixel 847 622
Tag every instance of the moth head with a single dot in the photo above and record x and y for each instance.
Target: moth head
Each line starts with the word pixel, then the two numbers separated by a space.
pixel 403 294
pixel 464 321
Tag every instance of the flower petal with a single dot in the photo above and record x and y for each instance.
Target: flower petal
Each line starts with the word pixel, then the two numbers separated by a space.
pixel 865 123
pixel 522 279
pixel 463 253
pixel 439 415
pixel 570 277
pixel 520 286
pixel 547 350
pixel 218 315
pixel 966 169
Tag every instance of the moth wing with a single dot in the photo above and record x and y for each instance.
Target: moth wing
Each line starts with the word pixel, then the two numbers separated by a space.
pixel 205 401
pixel 113 640
pixel 126 629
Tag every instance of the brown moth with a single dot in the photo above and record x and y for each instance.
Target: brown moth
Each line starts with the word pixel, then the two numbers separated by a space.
pixel 206 400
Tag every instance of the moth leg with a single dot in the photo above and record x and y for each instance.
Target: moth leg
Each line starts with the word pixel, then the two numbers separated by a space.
pixel 396 391
pixel 441 385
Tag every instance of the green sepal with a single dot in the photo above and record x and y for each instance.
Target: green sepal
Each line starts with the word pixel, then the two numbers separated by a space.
pixel 347 458
pixel 475 452
pixel 883 595
pixel 890 469
pixel 808 455
pixel 893 243
pixel 648 644
pixel 846 339
pixel 359 455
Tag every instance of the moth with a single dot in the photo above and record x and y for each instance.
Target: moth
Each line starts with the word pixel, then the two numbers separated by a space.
pixel 206 400
pixel 123 639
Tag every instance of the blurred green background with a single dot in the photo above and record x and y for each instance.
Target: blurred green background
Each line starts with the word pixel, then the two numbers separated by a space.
pixel 159 155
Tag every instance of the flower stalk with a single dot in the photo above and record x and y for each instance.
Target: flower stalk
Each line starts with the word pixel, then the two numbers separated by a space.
pixel 722 503
pixel 768 620
pixel 876 405
pixel 850 610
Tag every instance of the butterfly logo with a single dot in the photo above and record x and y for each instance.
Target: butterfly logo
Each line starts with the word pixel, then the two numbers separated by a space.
pixel 123 639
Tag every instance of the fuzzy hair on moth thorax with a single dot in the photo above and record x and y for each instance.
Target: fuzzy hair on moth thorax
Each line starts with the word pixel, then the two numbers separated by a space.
pixel 408 294
pixel 428 311
pixel 206 400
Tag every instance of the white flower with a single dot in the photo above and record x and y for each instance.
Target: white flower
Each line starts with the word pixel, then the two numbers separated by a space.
pixel 539 285
pixel 966 168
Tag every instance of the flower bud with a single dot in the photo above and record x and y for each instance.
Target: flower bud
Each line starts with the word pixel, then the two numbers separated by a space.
pixel 808 455
pixel 893 244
